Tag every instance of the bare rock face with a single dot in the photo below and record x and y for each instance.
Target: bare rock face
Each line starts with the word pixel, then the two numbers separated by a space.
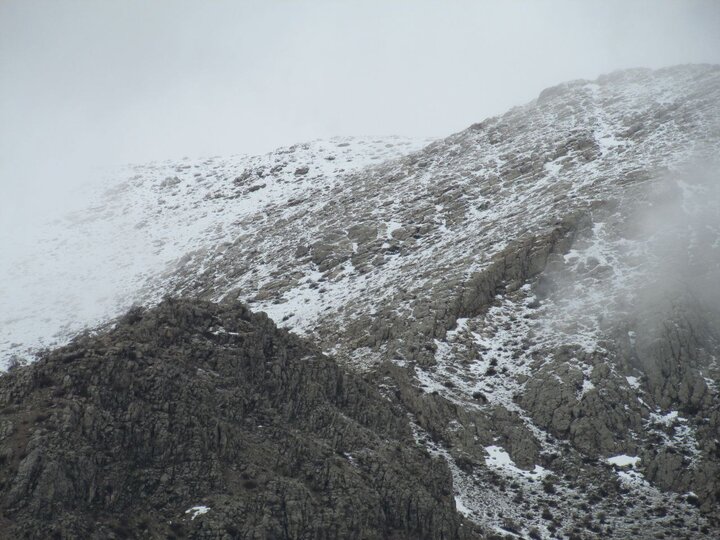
pixel 198 420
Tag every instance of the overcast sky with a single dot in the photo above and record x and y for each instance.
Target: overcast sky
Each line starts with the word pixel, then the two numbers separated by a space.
pixel 96 83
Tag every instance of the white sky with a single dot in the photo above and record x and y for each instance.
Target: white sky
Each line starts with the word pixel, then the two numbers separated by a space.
pixel 102 82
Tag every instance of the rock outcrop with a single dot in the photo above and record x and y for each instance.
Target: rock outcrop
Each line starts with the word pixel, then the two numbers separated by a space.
pixel 198 420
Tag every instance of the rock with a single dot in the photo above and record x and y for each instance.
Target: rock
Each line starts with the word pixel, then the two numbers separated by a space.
pixel 204 406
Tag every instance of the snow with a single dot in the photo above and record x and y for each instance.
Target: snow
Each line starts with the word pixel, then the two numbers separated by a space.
pixel 587 384
pixel 665 419
pixel 633 478
pixel 586 387
pixel 197 511
pixel 623 460
pixel 633 382
pixel 674 432
pixel 390 227
pixel 553 168
pixel 498 458
pixel 484 503
pixel 427 382
pixel 461 507
pixel 147 222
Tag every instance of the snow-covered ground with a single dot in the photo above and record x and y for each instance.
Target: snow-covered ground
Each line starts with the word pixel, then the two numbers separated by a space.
pixel 86 267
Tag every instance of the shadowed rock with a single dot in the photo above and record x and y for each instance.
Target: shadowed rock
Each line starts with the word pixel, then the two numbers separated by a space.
pixel 193 404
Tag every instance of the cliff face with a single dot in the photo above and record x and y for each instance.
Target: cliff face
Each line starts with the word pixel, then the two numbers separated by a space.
pixel 200 420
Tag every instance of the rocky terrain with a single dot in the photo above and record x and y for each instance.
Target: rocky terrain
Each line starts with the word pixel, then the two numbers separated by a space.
pixel 147 219
pixel 198 420
pixel 538 295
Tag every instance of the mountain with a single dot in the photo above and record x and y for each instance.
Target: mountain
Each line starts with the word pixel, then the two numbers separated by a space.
pixel 92 264
pixel 539 295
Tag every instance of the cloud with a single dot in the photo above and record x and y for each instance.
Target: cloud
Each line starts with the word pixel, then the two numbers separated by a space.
pixel 92 84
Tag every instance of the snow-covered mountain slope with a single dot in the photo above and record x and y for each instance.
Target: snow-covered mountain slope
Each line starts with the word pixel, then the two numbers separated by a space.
pixel 397 242
pixel 91 265
pixel 539 292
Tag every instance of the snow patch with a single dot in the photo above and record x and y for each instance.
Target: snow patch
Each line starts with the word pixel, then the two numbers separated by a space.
pixel 623 460
pixel 498 458
pixel 197 511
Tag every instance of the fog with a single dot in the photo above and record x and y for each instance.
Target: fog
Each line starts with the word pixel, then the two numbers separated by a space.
pixel 674 309
pixel 90 85
pixel 646 269
pixel 681 226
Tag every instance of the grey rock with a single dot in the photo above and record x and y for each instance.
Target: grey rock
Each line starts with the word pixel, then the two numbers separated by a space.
pixel 197 404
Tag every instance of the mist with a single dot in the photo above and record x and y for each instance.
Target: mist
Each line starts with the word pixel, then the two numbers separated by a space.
pixel 681 224
pixel 87 86
pixel 647 265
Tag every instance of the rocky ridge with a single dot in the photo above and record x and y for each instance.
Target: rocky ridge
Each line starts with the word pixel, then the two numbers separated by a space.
pixel 198 420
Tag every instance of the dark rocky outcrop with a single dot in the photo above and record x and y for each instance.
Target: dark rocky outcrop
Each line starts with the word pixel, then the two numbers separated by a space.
pixel 194 404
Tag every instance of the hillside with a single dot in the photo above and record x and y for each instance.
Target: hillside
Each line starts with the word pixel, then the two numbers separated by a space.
pixel 539 294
